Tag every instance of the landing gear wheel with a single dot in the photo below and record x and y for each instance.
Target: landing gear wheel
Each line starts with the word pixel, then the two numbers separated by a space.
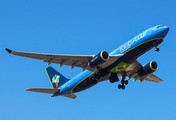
pixel 157 49
pixel 123 87
pixel 119 86
pixel 126 82
pixel 123 81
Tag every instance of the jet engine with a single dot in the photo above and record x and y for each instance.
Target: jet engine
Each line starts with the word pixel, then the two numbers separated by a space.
pixel 148 68
pixel 98 59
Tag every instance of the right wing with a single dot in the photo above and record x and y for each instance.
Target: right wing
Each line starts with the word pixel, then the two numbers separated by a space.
pixel 153 78
pixel 71 60
pixel 132 72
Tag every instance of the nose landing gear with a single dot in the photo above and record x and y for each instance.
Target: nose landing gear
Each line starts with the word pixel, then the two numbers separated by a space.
pixel 156 44
pixel 157 49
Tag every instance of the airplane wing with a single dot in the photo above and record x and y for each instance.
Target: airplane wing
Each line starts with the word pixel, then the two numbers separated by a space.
pixel 153 78
pixel 71 60
pixel 132 72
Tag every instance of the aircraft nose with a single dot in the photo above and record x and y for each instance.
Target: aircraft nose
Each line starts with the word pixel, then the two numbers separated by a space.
pixel 164 31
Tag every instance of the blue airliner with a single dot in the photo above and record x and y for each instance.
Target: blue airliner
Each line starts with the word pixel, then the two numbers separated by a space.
pixel 102 66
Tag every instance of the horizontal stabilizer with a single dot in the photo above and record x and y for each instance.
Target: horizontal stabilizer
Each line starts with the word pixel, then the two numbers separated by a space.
pixel 44 90
pixel 73 96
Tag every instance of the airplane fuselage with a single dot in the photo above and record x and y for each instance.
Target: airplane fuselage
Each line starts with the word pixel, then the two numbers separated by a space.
pixel 131 50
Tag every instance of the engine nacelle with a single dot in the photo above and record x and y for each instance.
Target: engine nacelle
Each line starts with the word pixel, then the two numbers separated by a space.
pixel 148 68
pixel 99 59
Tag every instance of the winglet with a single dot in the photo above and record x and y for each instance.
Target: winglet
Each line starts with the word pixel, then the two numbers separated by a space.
pixel 8 50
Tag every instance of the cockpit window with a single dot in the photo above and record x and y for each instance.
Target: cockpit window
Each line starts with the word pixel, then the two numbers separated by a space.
pixel 160 26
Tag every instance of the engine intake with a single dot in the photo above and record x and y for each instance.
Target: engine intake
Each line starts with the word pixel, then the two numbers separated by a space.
pixel 148 68
pixel 99 58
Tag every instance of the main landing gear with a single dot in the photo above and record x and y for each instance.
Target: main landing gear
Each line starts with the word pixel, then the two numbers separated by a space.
pixel 123 82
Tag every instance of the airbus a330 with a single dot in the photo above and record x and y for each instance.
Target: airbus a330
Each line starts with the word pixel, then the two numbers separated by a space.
pixel 102 66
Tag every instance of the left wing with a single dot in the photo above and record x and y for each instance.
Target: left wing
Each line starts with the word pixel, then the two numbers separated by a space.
pixel 132 72
pixel 71 60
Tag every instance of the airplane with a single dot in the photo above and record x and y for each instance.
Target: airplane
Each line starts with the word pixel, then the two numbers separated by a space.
pixel 102 66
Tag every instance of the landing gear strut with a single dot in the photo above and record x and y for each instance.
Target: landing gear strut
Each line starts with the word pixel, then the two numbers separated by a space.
pixel 123 82
pixel 156 45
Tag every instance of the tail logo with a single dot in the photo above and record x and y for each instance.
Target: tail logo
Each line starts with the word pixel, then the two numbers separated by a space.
pixel 55 80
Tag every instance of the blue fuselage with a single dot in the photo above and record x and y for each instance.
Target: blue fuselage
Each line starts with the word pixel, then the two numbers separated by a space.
pixel 131 50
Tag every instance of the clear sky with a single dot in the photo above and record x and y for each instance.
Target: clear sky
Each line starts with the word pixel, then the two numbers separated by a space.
pixel 83 27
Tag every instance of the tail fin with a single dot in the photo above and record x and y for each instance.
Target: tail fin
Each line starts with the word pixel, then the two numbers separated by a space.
pixel 56 78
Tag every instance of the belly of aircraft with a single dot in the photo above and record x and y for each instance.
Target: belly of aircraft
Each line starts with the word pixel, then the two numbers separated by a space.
pixel 85 84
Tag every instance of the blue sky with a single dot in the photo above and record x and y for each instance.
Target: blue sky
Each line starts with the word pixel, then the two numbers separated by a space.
pixel 83 27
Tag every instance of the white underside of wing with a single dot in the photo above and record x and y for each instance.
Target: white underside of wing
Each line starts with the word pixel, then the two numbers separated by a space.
pixel 153 78
pixel 132 72
pixel 71 60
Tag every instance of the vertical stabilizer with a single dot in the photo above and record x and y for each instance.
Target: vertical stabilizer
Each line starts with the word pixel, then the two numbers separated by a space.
pixel 56 78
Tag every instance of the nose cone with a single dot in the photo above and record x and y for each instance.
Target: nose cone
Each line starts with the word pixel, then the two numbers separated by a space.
pixel 164 31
